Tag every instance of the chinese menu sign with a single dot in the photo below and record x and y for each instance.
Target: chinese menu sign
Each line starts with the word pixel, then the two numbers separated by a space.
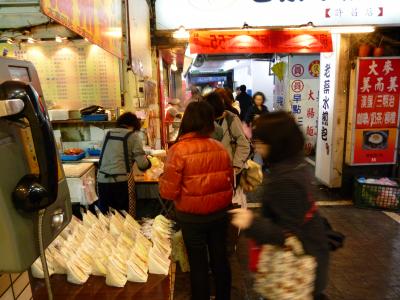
pixel 73 75
pixel 303 95
pixel 260 41
pixel 376 110
pixel 97 20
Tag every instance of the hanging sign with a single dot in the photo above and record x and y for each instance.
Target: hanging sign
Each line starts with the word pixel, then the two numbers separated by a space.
pixel 325 161
pixel 376 111
pixel 97 20
pixel 260 41
pixel 303 96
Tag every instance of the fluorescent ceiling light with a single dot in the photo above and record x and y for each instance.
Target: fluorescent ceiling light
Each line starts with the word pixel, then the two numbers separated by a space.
pixel 338 29
pixel 181 34
pixel 352 29
pixel 60 39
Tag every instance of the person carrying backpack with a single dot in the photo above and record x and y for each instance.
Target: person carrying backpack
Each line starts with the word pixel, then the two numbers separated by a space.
pixel 230 132
pixel 122 147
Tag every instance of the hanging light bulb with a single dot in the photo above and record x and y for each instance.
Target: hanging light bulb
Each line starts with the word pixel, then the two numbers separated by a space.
pixel 181 33
pixel 174 68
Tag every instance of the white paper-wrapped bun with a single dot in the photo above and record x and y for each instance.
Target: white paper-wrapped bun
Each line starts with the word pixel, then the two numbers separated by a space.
pixel 90 218
pixel 122 252
pixel 162 219
pixel 135 274
pixel 75 272
pixel 142 241
pixel 157 266
pixel 37 269
pixel 116 224
pixel 59 262
pixel 141 263
pixel 162 229
pixel 109 243
pixel 116 272
pixel 99 263
pixel 125 240
pixel 104 220
pixel 131 223
pixel 84 260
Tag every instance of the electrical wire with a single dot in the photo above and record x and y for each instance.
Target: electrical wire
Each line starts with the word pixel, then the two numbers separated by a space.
pixel 43 254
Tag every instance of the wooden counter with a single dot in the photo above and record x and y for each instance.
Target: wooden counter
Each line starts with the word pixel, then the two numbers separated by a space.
pixel 158 287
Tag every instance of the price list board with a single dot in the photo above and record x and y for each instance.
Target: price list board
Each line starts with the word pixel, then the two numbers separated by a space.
pixel 74 75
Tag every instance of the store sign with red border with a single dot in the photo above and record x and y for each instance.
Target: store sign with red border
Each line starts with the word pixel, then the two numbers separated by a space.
pixel 376 110
pixel 260 41
pixel 99 22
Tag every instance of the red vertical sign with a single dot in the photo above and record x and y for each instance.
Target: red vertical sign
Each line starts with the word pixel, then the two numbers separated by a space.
pixel 377 110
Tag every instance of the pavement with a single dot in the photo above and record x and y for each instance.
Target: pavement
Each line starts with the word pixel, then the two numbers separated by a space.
pixel 367 268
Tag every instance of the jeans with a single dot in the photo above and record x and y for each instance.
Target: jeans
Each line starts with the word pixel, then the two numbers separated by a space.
pixel 198 238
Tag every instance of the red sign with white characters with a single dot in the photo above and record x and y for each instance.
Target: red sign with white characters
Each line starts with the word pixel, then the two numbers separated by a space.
pixel 376 110
pixel 378 91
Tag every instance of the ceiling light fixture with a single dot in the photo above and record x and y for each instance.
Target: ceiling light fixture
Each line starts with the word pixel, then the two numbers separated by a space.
pixel 59 39
pixel 31 40
pixel 174 68
pixel 181 34
pixel 335 29
pixel 10 41
pixel 352 29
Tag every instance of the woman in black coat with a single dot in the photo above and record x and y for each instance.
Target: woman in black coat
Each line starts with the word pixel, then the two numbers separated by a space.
pixel 257 109
pixel 288 204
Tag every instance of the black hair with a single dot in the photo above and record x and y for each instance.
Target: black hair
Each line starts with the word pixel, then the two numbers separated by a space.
pixel 281 133
pixel 259 94
pixel 217 103
pixel 243 88
pixel 128 119
pixel 198 118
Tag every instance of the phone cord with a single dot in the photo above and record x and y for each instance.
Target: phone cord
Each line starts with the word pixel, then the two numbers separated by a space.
pixel 43 254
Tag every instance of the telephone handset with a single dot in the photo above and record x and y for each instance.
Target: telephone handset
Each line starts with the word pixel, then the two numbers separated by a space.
pixel 34 192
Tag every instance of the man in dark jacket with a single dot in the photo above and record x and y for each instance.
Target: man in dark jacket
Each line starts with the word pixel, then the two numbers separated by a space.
pixel 245 101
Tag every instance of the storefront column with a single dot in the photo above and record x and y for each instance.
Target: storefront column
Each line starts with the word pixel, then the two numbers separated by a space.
pixel 334 83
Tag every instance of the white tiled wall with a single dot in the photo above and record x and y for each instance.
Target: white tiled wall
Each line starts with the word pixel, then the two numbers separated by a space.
pixel 15 287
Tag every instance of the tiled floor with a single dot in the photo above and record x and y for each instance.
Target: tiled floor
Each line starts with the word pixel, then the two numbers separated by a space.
pixel 367 268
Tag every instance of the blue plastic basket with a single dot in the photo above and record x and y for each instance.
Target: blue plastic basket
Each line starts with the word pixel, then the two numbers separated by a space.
pixel 93 152
pixel 66 157
pixel 95 117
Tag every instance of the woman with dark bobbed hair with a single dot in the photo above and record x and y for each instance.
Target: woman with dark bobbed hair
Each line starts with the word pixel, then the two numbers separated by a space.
pixel 122 147
pixel 198 177
pixel 257 109
pixel 288 204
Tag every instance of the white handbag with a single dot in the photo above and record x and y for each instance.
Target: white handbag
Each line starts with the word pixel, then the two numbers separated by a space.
pixel 285 273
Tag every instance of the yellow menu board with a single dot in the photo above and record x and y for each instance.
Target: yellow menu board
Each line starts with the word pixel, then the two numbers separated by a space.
pixel 73 75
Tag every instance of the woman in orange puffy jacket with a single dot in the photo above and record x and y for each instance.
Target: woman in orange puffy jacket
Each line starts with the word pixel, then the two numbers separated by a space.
pixel 198 177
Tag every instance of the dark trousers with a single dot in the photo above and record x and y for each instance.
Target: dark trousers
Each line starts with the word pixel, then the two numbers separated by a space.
pixel 113 195
pixel 198 238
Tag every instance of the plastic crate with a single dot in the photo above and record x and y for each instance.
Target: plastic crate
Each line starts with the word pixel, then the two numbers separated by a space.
pixel 66 157
pixel 95 117
pixel 377 196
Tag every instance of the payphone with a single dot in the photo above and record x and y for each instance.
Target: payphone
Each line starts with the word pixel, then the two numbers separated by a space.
pixel 33 188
